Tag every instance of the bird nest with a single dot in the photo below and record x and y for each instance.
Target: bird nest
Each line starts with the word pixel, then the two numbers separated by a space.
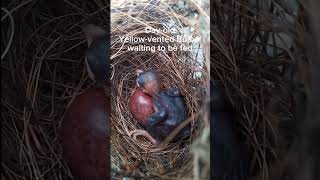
pixel 176 67
pixel 44 70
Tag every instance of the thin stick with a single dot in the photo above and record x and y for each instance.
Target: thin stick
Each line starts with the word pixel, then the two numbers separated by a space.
pixel 173 134
pixel 11 34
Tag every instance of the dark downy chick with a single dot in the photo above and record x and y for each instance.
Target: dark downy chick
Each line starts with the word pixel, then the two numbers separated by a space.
pixel 97 54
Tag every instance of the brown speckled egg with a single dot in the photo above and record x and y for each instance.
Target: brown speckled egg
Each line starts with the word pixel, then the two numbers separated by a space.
pixel 141 106
pixel 85 135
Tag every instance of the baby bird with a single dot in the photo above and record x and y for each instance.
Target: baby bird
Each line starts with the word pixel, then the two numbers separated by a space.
pixel 229 157
pixel 141 106
pixel 85 129
pixel 168 105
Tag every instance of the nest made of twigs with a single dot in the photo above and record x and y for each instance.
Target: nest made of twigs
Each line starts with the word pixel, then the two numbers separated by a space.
pixel 176 68
pixel 255 73
pixel 44 70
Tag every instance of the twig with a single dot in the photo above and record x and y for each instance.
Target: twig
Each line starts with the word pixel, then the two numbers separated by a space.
pixel 11 34
pixel 173 134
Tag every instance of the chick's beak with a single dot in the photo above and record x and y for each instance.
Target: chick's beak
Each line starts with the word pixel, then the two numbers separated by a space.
pixel 139 71
pixel 138 85
pixel 92 32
